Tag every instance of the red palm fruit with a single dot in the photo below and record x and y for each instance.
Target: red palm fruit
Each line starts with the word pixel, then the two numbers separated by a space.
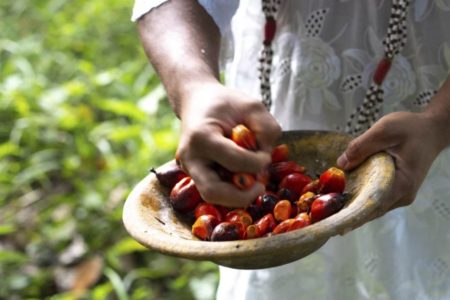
pixel 283 226
pixel 204 226
pixel 239 215
pixel 304 202
pixel 169 174
pixel 295 182
pixel 332 181
pixel 243 137
pixel 223 210
pixel 258 201
pixel 301 220
pixel 252 231
pixel 282 210
pixel 204 208
pixel 280 169
pixel 313 187
pixel 266 224
pixel 280 153
pixel 326 205
pixel 243 181
pixel 184 196
pixel 227 231
pixel 242 230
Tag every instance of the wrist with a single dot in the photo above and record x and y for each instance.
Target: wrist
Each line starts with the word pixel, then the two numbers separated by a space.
pixel 195 84
pixel 198 98
pixel 438 111
pixel 183 91
pixel 439 119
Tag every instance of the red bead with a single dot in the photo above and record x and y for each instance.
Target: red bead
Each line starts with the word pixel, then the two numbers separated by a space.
pixel 382 69
pixel 269 30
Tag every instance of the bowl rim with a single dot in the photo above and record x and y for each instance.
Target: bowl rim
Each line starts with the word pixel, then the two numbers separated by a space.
pixel 364 203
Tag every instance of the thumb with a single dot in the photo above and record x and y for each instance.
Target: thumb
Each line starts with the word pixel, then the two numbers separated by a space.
pixel 374 140
pixel 267 132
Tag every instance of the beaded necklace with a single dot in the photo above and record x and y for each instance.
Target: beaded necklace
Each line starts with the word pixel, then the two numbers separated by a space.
pixel 368 111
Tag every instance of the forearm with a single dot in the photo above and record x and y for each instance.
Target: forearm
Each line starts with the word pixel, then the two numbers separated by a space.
pixel 183 43
pixel 439 112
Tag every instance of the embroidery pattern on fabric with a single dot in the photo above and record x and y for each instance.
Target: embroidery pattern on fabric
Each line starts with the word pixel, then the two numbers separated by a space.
pixel 368 112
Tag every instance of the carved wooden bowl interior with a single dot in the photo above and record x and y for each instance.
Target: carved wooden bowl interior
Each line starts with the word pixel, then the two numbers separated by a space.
pixel 150 219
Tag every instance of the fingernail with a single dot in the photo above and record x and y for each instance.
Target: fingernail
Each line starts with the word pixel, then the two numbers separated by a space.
pixel 342 161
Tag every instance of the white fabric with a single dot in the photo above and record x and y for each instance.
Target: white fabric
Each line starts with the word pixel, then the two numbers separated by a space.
pixel 220 10
pixel 318 79
pixel 141 7
pixel 405 254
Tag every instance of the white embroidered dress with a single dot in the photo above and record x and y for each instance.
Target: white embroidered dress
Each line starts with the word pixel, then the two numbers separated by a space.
pixel 325 55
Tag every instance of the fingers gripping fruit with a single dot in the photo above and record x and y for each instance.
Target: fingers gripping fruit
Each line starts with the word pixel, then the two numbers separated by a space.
pixel 243 137
pixel 263 177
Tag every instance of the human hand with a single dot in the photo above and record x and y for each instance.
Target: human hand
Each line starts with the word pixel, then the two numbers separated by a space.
pixel 412 139
pixel 208 113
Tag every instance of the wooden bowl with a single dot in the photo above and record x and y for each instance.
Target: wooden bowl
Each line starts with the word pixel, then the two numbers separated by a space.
pixel 150 219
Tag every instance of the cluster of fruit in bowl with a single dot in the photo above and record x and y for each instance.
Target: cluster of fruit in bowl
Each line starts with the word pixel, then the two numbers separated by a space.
pixel 292 199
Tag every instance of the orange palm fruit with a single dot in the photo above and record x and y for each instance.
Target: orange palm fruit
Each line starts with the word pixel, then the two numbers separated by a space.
pixel 244 137
pixel 332 181
pixel 204 226
pixel 282 210
pixel 239 215
pixel 243 181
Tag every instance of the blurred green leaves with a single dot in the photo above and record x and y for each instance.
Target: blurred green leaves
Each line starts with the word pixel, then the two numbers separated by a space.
pixel 82 119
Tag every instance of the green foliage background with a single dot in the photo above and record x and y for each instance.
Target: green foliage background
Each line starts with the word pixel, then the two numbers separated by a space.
pixel 82 119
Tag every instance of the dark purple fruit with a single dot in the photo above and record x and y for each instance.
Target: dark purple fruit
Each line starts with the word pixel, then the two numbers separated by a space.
pixel 227 231
pixel 169 174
